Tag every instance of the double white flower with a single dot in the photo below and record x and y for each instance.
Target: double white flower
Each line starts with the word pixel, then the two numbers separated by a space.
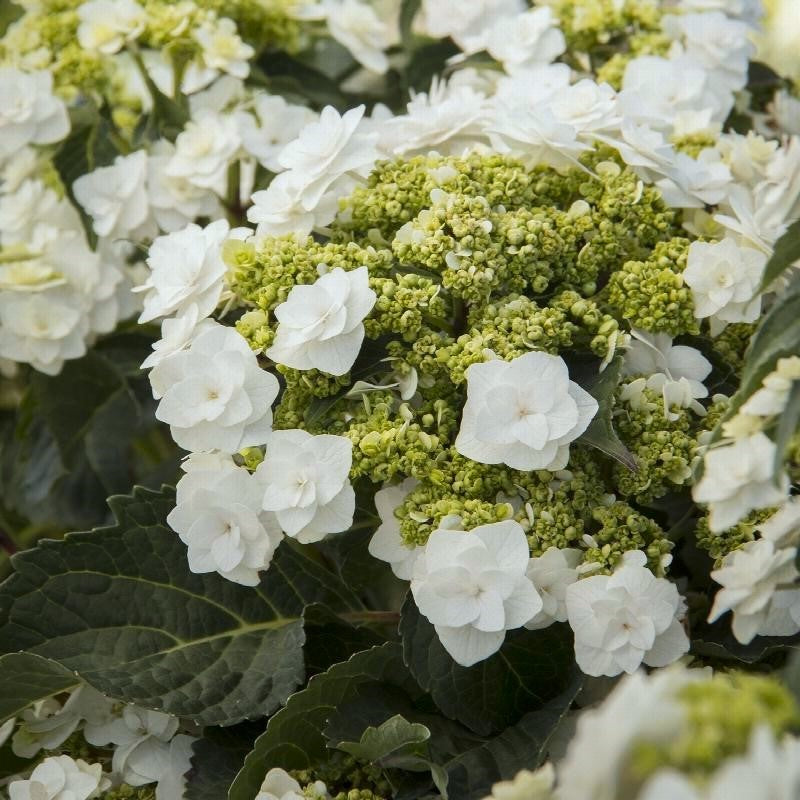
pixel 321 326
pixel 523 413
pixel 473 588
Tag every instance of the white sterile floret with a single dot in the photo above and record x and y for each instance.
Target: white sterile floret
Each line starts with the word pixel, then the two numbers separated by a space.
pixel 386 543
pixel 222 50
pixel 625 619
pixel 357 26
pixel 305 481
pixel 218 515
pixel 60 778
pixel 175 201
pixel 772 397
pixel 523 413
pixel 280 785
pixel 321 326
pixel 29 112
pixel 749 577
pixel 272 124
pixel 551 574
pixel 115 197
pixel 669 368
pixel 328 149
pixel 524 39
pixel 738 478
pixel 214 396
pixel 176 335
pixel 724 279
pixel 204 149
pixel 472 586
pixel 186 271
pixel 106 25
pixel 640 708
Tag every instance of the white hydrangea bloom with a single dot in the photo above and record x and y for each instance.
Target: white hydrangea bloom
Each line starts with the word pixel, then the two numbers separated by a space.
pixel 524 39
pixel 326 150
pixel 60 778
pixel 357 26
pixel 625 619
pixel 115 197
pixel 641 708
pixel 29 111
pixel 222 49
pixel 772 397
pixel 280 785
pixel 750 576
pixel 218 516
pixel 277 210
pixel 695 182
pixel 386 543
pixel 527 785
pixel 738 478
pixel 769 769
pixel 106 25
pixel 724 280
pixel 321 326
pixel 272 124
pixel 551 573
pixel 305 481
pixel 175 201
pixel 186 270
pixel 523 413
pixel 204 150
pixel 668 784
pixel 214 396
pixel 472 586
pixel 176 335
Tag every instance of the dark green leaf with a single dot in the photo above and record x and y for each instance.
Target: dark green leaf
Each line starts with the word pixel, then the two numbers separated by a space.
pixel 217 756
pixel 530 669
pixel 601 433
pixel 120 607
pixel 395 737
pixel 294 737
pixel 786 252
pixel 26 678
pixel 717 641
pixel 522 746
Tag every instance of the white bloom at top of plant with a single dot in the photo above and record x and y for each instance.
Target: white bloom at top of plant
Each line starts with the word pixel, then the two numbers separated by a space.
pixel 305 481
pixel 749 577
pixel 473 588
pixel 769 769
pixel 218 516
pixel 641 707
pixel 527 785
pixel 624 619
pixel 449 118
pixel 60 778
pixel 467 25
pixel 47 724
pixel 222 49
pixel 357 26
pixel 272 124
pixel 214 396
pixel 587 106
pixel 551 574
pixel 115 197
pixel 106 25
pixel 525 39
pixel 724 280
pixel 326 150
pixel 523 413
pixel 386 543
pixel 29 111
pixel 175 201
pixel 737 478
pixel 773 395
pixel 320 326
pixel 186 270
pixel 280 785
pixel 204 150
